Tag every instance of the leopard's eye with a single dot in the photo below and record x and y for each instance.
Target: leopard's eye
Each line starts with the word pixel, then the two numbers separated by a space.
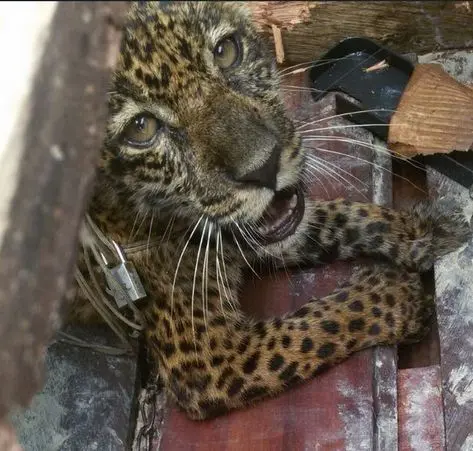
pixel 227 52
pixel 141 131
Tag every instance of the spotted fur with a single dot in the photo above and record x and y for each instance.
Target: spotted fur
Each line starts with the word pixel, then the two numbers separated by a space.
pixel 225 145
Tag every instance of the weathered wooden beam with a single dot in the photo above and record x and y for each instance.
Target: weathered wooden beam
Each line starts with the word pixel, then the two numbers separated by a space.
pixel 454 290
pixel 49 149
pixel 384 357
pixel 421 424
pixel 310 28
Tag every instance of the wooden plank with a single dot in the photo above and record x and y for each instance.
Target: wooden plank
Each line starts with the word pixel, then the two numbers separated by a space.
pixel 57 132
pixel 384 357
pixel 420 410
pixel 310 28
pixel 334 411
pixel 454 289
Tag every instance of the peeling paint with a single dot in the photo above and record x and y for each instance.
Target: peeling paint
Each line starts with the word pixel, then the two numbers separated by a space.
pixel 453 271
pixel 467 444
pixel 417 421
pixel 460 384
pixel 454 290
pixel 356 411
pixel 454 278
pixel 385 391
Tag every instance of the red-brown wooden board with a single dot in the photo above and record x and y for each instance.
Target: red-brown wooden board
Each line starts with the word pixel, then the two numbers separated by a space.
pixel 421 425
pixel 384 358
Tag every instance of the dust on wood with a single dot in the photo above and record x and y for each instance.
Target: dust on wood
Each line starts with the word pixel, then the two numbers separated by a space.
pixel 454 289
pixel 384 357
pixel 420 410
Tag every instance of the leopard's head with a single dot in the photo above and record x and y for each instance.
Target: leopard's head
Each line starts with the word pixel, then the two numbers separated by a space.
pixel 197 124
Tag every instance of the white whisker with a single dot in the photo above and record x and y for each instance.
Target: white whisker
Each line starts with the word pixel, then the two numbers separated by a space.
pixel 338 127
pixel 244 257
pixel 195 278
pixel 313 170
pixel 309 181
pixel 179 262
pixel 145 215
pixel 251 240
pixel 338 168
pixel 369 162
pixel 205 277
pixel 230 295
pixel 218 272
pixel 370 146
pixel 335 174
pixel 167 230
pixel 134 224
pixel 336 116
pixel 294 69
pixel 149 237
pixel 294 88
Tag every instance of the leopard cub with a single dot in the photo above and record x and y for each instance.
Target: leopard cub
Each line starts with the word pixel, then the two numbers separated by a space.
pixel 201 156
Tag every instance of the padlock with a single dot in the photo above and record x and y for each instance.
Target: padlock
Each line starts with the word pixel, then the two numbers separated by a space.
pixel 127 278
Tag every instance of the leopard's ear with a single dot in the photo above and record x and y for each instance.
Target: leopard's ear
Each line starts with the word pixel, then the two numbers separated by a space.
pixel 141 6
pixel 239 7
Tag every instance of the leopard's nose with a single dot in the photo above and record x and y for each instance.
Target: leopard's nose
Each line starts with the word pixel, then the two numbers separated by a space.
pixel 264 176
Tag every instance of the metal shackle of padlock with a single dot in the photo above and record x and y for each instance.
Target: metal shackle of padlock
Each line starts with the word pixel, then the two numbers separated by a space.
pixel 126 276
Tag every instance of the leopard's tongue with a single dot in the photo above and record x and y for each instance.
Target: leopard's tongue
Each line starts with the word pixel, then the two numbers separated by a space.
pixel 282 216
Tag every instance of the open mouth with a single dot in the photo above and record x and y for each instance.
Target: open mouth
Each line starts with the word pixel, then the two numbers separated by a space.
pixel 283 215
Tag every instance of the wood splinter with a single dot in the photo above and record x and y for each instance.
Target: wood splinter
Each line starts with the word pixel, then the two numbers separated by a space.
pixel 278 44
pixel 378 66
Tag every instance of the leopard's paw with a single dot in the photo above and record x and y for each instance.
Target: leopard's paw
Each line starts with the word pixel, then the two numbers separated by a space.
pixel 438 229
